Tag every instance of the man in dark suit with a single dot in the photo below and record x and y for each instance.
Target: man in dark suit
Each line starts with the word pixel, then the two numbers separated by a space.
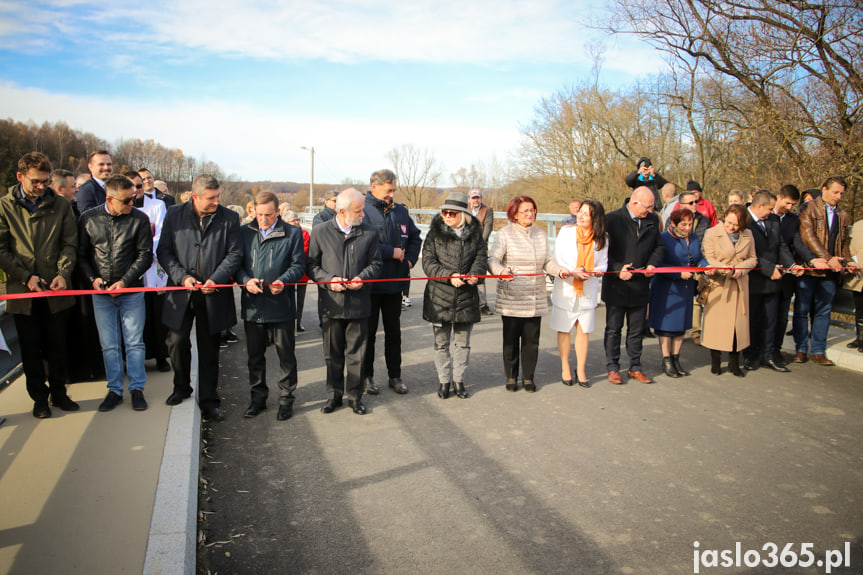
pixel 764 283
pixel 200 247
pixel 92 192
pixel 633 244
pixel 783 214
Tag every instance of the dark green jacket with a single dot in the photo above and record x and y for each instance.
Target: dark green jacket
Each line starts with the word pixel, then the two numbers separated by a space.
pixel 43 243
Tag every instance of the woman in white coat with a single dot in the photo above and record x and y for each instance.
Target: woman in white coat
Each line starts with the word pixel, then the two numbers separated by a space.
pixel 582 250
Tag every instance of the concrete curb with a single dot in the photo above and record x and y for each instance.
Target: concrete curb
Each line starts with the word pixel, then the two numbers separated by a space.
pixel 172 543
pixel 171 547
pixel 846 358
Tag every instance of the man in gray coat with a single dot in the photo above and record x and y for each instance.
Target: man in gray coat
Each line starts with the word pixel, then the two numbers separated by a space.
pixel 199 248
pixel 345 252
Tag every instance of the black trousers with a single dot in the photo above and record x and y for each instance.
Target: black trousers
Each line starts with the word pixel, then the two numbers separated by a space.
pixel 763 309
pixel 636 320
pixel 42 336
pixel 345 343
pixel 154 330
pixel 301 301
pixel 789 286
pixel 520 346
pixel 180 350
pixel 390 306
pixel 258 335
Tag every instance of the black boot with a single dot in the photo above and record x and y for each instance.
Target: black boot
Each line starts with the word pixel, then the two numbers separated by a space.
pixel 857 343
pixel 734 363
pixel 668 368
pixel 715 361
pixel 460 391
pixel 443 392
pixel 675 359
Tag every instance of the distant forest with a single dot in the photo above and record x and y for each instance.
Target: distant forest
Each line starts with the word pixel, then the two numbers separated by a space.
pixel 68 149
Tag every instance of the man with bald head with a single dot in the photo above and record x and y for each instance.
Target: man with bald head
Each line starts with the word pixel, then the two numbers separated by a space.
pixel 633 244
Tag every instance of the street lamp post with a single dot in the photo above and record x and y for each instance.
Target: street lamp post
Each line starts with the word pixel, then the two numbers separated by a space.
pixel 312 182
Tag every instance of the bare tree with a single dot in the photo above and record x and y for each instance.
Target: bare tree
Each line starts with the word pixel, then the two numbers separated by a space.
pixel 793 70
pixel 418 173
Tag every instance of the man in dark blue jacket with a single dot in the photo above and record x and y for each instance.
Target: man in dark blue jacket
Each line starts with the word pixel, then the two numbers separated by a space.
pixel 399 242
pixel 92 192
pixel 199 248
pixel 273 260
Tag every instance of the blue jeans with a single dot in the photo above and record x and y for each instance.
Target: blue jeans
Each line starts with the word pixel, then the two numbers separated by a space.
pixel 120 321
pixel 813 294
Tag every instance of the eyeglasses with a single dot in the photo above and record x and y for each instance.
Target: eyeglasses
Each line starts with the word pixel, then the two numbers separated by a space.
pixel 128 201
pixel 448 213
pixel 688 203
pixel 139 186
pixel 645 206
pixel 526 212
pixel 44 182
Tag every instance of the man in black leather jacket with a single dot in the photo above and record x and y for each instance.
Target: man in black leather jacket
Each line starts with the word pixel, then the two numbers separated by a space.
pixel 115 248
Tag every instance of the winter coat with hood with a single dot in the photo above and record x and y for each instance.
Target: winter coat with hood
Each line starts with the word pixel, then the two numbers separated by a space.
pixel 445 253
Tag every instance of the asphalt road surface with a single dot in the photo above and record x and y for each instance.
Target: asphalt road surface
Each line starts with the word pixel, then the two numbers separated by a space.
pixel 612 479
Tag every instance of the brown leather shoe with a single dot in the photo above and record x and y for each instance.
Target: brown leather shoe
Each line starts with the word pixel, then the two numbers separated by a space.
pixel 821 359
pixel 614 377
pixel 639 376
pixel 800 357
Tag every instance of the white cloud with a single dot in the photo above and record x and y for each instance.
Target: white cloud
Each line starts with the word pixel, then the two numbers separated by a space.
pixel 479 31
pixel 258 143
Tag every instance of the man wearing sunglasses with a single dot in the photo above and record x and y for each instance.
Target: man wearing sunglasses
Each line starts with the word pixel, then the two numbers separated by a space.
pixel 115 248
pixel 37 252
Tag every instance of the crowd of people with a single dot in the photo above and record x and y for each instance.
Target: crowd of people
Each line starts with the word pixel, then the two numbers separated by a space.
pixel 663 263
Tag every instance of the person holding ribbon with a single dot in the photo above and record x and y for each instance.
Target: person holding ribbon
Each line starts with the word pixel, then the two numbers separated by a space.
pixel 521 254
pixel 581 249
pixel 731 248
pixel 454 254
pixel 671 294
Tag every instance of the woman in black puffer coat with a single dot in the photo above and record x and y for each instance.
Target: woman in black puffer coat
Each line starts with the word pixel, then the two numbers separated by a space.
pixel 454 246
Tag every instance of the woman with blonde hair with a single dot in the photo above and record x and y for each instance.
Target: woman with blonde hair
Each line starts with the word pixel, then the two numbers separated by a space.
pixel 581 248
pixel 730 247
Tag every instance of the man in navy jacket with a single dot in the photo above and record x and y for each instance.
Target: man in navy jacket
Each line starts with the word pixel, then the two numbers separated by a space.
pixel 399 242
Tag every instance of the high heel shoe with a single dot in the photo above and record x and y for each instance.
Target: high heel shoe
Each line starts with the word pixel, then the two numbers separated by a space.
pixel 566 381
pixel 460 391
pixel 675 359
pixel 668 368
pixel 443 392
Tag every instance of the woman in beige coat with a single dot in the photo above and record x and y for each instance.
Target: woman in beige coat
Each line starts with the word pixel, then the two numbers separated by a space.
pixel 726 307
pixel 521 250
pixel 854 282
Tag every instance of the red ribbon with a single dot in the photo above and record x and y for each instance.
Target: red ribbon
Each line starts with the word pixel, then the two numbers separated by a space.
pixel 52 293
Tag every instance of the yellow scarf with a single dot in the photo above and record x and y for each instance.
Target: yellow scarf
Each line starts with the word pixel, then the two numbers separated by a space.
pixel 584 238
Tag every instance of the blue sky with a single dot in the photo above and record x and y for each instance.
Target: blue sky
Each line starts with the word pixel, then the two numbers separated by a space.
pixel 245 84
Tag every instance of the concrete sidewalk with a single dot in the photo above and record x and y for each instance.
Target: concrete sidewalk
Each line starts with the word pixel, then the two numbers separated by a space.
pixel 109 493
pixel 79 490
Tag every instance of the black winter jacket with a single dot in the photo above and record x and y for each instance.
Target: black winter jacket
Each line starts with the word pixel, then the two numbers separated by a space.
pixel 214 253
pixel 332 254
pixel 280 256
pixel 114 248
pixel 445 254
